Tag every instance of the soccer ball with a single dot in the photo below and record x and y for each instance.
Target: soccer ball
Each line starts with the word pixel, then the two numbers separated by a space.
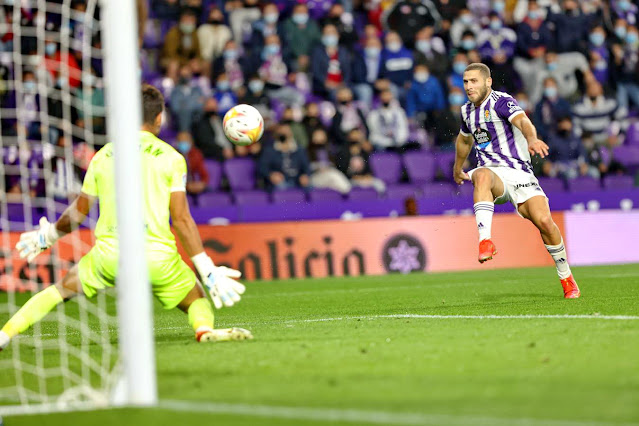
pixel 243 125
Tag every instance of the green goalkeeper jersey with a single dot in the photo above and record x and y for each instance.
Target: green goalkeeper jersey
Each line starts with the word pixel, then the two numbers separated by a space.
pixel 163 172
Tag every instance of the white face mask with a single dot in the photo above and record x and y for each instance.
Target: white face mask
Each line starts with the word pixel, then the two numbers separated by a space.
pixel 421 77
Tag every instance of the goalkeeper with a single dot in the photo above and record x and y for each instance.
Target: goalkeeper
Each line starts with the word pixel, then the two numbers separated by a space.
pixel 173 283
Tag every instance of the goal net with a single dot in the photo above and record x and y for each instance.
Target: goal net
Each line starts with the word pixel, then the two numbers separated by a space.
pixel 58 94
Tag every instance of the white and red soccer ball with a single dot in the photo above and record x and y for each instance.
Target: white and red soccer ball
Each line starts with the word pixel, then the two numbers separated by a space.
pixel 243 125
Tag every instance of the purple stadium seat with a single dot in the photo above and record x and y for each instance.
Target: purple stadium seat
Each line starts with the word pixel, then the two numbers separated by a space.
pixel 583 184
pixel 240 173
pixel 401 191
pixel 618 182
pixel 439 189
pixel 420 166
pixel 445 161
pixel 387 166
pixel 632 135
pixel 357 193
pixel 213 199
pixel 628 156
pixel 292 195
pixel 549 184
pixel 324 194
pixel 251 197
pixel 214 168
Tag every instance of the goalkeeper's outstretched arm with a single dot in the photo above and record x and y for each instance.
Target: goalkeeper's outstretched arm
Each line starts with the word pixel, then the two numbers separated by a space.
pixel 35 242
pixel 219 280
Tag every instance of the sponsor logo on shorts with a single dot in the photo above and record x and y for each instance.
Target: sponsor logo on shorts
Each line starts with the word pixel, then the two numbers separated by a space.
pixel 527 185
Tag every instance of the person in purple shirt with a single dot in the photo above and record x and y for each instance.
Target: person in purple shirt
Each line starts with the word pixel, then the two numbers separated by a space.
pixel 497 46
pixel 599 54
pixel 551 106
pixel 504 139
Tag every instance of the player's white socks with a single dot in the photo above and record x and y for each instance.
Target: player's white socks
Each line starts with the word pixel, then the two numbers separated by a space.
pixel 484 216
pixel 558 254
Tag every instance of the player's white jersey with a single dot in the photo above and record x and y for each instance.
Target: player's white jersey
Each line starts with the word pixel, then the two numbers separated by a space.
pixel 497 141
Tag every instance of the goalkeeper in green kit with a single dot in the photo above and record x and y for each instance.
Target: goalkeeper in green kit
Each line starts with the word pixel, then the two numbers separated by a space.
pixel 173 283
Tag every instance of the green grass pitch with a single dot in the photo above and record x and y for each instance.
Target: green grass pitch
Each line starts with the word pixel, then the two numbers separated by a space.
pixel 385 350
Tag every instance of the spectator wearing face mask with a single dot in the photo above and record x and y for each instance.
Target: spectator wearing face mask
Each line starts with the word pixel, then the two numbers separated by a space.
pixel 353 161
pixel 57 63
pixel 213 36
pixel 425 99
pixel 274 73
pixel 533 39
pixel 226 98
pixel 348 116
pixel 596 113
pixel 464 24
pixel 343 22
pixel 496 46
pixel 563 68
pixel 388 124
pixel 330 64
pixel 197 178
pixel 300 33
pixel 430 50
pixel 625 68
pixel 284 165
pixel 257 97
pixel 181 45
pixel 242 17
pixel 372 59
pixel 324 174
pixel 627 10
pixel 269 24
pixel 396 64
pixel 208 134
pixel 406 17
pixel 567 157
pixel 233 64
pixel 456 75
pixel 599 54
pixel 91 94
pixel 551 106
pixel 186 100
pixel 571 27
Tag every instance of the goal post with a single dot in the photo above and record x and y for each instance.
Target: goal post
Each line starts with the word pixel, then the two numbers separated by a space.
pixel 87 353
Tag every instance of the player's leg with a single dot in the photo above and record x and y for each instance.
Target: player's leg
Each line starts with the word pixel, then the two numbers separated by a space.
pixel 487 188
pixel 39 305
pixel 537 210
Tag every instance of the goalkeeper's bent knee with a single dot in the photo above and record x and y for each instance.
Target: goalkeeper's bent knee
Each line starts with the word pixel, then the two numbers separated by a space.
pixel 33 311
pixel 201 313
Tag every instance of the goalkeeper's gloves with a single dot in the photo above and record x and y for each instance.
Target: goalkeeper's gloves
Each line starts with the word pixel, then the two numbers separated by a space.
pixel 33 243
pixel 219 281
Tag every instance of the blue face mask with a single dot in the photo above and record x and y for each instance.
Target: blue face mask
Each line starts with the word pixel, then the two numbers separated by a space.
pixel 271 49
pixel 271 18
pixel 499 6
pixel 300 18
pixel 466 19
pixel 624 4
pixel 533 14
pixel 50 48
pixel 597 39
pixel 184 146
pixel 495 24
pixel 29 86
pixel 230 54
pixel 631 38
pixel 620 32
pixel 371 52
pixel 330 40
pixel 256 86
pixel 468 44
pixel 523 104
pixel 550 92
pixel 459 67
pixel 422 45
pixel 552 66
pixel 223 85
pixel 456 99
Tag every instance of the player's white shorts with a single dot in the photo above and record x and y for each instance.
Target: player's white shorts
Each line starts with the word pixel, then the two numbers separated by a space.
pixel 519 186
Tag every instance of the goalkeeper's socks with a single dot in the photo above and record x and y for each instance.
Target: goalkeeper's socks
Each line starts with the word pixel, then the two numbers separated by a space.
pixel 201 314
pixel 484 216
pixel 558 254
pixel 33 311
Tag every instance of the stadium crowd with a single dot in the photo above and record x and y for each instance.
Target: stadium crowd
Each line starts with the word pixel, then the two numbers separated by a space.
pixel 338 81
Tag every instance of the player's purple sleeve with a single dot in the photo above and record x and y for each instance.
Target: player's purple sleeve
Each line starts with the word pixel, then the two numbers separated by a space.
pixel 463 129
pixel 507 107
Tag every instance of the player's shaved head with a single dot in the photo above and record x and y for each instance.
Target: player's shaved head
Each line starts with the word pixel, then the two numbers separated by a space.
pixel 482 68
pixel 152 104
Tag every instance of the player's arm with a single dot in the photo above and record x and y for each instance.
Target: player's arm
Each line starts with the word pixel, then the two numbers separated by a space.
pixel 35 242
pixel 463 146
pixel 219 280
pixel 535 145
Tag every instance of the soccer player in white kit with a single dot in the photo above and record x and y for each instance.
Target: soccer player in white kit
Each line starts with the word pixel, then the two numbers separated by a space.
pixel 504 139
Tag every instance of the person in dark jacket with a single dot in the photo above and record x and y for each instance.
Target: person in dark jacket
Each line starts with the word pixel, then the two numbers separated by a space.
pixel 284 165
pixel 409 16
pixel 348 116
pixel 330 64
pixel 208 134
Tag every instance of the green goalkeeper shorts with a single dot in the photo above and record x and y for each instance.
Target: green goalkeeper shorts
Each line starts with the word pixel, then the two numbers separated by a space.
pixel 171 278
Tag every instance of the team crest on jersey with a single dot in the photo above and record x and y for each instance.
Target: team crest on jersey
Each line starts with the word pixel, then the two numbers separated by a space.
pixel 487 115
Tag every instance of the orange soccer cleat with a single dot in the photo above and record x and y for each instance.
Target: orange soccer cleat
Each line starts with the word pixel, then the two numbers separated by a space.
pixel 571 291
pixel 486 250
